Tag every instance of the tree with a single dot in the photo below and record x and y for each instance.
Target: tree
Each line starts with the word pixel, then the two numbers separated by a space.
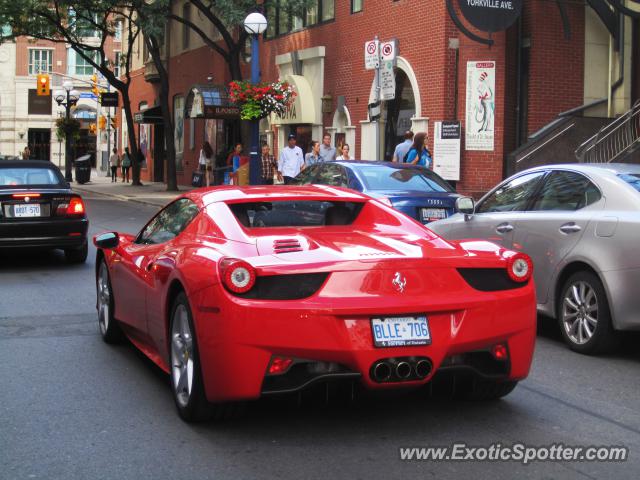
pixel 67 21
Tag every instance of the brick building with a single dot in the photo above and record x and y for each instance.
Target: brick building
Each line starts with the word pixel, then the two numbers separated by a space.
pixel 550 61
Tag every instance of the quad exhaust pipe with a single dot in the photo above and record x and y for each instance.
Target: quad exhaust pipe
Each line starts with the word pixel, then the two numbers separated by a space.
pixel 400 369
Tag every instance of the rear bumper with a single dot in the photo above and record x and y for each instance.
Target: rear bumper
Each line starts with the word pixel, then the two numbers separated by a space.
pixel 624 302
pixel 66 233
pixel 237 338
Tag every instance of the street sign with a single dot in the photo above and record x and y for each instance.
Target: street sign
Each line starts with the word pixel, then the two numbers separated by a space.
pixel 371 54
pixel 109 99
pixel 90 96
pixel 388 50
pixel 387 81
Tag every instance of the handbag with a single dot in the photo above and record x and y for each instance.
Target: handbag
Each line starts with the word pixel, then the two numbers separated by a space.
pixel 196 179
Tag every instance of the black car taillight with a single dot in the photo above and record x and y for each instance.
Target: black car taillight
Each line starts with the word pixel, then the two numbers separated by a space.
pixel 489 279
pixel 285 287
pixel 73 208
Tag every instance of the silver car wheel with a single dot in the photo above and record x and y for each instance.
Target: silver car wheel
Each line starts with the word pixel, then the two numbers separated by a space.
pixel 181 355
pixel 580 312
pixel 104 299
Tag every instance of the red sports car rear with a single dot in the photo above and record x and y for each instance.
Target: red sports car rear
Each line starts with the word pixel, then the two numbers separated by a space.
pixel 240 293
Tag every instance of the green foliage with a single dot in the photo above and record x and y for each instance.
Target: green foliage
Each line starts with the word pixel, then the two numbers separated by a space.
pixel 70 127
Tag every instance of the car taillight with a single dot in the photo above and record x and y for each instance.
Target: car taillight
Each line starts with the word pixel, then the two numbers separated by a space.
pixel 237 275
pixel 519 267
pixel 75 207
pixel 279 365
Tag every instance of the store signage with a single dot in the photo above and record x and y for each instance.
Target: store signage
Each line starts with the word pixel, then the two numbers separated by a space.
pixel 446 149
pixel 491 15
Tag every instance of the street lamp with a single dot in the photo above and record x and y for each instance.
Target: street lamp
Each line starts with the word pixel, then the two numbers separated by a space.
pixel 67 97
pixel 255 24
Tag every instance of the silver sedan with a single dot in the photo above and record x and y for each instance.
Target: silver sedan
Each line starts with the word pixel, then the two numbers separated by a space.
pixel 580 223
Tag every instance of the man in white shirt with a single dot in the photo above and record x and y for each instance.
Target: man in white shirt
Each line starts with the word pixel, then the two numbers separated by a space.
pixel 290 161
pixel 403 148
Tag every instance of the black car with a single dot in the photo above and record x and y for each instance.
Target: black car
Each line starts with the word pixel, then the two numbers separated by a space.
pixel 38 209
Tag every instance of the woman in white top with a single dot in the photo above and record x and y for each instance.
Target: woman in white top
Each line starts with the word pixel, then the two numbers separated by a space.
pixel 345 153
pixel 205 162
pixel 114 163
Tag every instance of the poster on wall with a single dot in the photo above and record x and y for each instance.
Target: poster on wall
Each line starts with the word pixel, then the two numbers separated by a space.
pixel 481 87
pixel 446 150
pixel 178 119
pixel 144 143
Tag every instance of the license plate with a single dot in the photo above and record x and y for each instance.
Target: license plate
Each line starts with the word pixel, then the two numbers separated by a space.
pixel 27 210
pixel 432 214
pixel 400 331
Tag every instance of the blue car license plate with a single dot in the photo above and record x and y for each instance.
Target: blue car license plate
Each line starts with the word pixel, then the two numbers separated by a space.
pixel 400 331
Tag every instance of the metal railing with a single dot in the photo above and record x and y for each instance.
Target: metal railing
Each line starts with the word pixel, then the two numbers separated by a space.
pixel 614 140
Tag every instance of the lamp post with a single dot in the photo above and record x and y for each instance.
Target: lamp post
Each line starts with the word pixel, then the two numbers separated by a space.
pixel 67 97
pixel 255 24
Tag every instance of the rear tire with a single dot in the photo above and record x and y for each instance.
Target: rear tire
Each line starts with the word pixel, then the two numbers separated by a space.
pixel 584 316
pixel 77 255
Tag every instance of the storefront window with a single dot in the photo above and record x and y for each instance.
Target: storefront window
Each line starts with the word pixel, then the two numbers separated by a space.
pixel 178 135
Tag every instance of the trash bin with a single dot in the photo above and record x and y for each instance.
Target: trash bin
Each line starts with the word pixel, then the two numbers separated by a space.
pixel 83 169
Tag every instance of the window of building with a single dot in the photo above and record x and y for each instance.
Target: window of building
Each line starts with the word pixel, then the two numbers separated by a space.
pixel 83 26
pixel 280 18
pixel 83 67
pixel 118 31
pixel 117 63
pixel 356 5
pixel 40 61
pixel 186 31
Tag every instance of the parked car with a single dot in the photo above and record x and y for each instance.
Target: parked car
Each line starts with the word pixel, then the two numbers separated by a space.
pixel 414 190
pixel 579 223
pixel 348 289
pixel 38 209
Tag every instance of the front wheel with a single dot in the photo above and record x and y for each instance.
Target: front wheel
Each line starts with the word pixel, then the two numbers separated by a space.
pixel 109 328
pixel 584 315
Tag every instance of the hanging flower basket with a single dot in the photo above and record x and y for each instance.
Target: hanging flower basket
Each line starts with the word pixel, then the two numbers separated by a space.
pixel 262 99
pixel 64 126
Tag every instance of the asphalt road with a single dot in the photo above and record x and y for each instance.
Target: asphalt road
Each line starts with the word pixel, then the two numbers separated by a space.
pixel 72 407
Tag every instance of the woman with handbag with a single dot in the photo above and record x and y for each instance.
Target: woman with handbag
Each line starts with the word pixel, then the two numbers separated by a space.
pixel 419 154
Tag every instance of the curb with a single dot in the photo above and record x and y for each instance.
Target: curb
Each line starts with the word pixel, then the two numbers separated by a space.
pixel 124 198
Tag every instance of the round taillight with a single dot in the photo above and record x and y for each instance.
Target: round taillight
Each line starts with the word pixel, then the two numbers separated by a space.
pixel 519 267
pixel 237 275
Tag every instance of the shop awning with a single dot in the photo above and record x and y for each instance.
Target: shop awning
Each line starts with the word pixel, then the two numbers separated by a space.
pixel 209 101
pixel 151 115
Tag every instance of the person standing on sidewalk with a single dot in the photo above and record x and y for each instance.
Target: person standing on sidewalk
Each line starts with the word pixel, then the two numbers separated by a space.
pixel 126 165
pixel 419 153
pixel 327 152
pixel 345 153
pixel 114 163
pixel 313 156
pixel 291 161
pixel 402 148
pixel 206 162
pixel 269 166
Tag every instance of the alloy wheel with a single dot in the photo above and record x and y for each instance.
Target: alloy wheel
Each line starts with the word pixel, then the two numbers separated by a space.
pixel 104 299
pixel 182 363
pixel 580 312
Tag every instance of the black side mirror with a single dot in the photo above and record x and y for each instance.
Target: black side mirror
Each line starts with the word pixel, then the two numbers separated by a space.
pixel 106 240
pixel 466 206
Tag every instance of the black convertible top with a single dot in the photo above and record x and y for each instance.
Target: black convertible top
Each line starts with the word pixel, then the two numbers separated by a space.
pixel 27 164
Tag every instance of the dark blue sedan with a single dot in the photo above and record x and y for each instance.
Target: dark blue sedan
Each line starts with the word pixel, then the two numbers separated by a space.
pixel 416 191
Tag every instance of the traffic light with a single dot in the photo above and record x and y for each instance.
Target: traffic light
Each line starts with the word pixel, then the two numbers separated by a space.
pixel 95 89
pixel 92 128
pixel 102 122
pixel 43 86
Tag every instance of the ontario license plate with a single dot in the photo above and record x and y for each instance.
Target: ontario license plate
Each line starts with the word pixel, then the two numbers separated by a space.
pixel 432 214
pixel 400 331
pixel 27 210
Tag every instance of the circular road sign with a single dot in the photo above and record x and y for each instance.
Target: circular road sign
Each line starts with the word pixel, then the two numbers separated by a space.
pixel 491 15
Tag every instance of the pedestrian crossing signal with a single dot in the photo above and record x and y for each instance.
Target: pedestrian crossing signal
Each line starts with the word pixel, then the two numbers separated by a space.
pixel 43 86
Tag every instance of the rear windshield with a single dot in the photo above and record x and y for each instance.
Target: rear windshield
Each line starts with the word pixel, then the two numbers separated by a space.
pixel 384 177
pixel 632 179
pixel 26 176
pixel 295 213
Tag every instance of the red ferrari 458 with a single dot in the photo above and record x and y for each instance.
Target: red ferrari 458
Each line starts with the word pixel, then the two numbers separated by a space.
pixel 239 293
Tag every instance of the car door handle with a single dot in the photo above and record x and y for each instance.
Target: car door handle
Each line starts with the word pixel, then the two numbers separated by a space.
pixel 570 228
pixel 504 228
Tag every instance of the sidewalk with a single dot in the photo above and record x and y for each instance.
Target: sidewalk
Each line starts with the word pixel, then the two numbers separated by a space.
pixel 150 193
